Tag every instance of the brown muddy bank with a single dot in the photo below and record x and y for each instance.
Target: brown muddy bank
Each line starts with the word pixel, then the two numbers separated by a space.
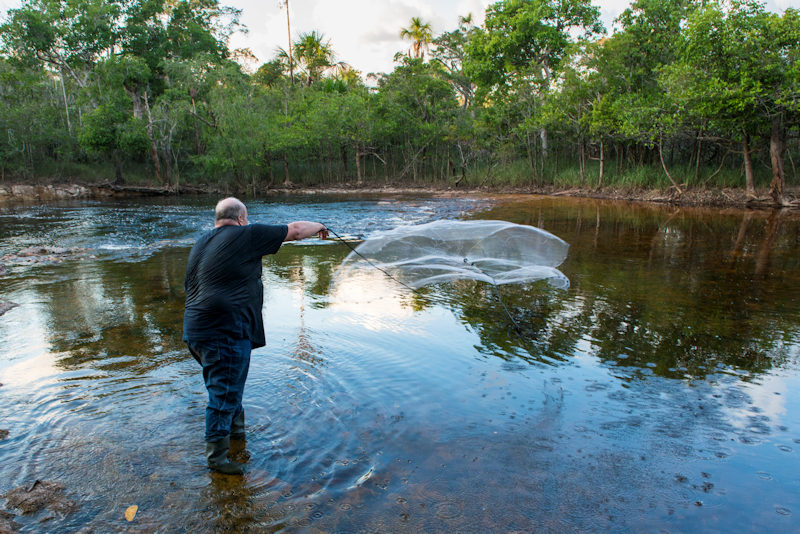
pixel 701 197
pixel 24 193
pixel 16 193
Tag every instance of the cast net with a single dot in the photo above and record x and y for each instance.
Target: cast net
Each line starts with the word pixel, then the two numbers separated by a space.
pixel 498 252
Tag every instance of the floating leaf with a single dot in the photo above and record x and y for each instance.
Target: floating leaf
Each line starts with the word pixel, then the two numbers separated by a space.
pixel 130 513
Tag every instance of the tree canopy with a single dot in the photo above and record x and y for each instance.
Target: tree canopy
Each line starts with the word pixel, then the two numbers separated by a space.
pixel 682 93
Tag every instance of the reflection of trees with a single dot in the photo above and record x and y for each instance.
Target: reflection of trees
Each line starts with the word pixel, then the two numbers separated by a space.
pixel 685 291
pixel 314 267
pixel 768 243
pixel 311 267
pixel 682 291
pixel 528 336
pixel 129 314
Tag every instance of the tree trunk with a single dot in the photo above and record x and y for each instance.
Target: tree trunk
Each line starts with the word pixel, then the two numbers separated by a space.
pixel 697 163
pixel 268 164
pixel 136 102
pixel 664 166
pixel 463 165
pixel 66 105
pixel 545 144
pixel 167 165
pixel 151 137
pixel 344 160
pixel 287 182
pixel 530 152
pixel 118 179
pixel 359 180
pixel 581 148
pixel 777 146
pixel 322 159
pixel 602 164
pixel 748 167
pixel 196 127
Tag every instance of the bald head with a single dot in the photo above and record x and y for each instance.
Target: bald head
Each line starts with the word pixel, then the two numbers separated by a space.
pixel 230 211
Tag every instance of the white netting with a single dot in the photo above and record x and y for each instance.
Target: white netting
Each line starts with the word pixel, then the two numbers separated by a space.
pixel 493 251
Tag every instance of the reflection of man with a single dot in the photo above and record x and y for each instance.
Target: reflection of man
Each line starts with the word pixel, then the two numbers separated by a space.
pixel 222 321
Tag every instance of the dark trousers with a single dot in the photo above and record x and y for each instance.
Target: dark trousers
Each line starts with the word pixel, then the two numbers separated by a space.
pixel 225 364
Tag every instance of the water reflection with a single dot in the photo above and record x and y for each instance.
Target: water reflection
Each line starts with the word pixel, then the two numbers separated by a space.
pixel 682 293
pixel 666 376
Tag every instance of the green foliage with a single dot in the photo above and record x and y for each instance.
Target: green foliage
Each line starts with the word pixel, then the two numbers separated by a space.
pixel 525 41
pixel 132 137
pixel 67 35
pixel 420 35
pixel 534 96
pixel 450 52
pixel 416 100
pixel 100 129
pixel 269 73
pixel 313 54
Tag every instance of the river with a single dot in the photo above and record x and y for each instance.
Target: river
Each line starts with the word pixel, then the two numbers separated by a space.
pixel 660 392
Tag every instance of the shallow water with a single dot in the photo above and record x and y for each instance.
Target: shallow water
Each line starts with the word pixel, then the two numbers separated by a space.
pixel 658 393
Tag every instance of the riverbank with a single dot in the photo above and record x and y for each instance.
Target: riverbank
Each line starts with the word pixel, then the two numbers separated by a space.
pixel 724 197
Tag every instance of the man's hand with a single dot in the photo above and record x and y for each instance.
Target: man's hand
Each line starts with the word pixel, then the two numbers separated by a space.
pixel 304 229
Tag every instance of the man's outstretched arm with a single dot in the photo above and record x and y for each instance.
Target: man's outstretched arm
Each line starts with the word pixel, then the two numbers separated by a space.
pixel 303 229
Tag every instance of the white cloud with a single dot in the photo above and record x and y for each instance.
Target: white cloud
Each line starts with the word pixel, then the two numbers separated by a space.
pixel 365 33
pixel 476 7
pixel 610 10
pixel 783 5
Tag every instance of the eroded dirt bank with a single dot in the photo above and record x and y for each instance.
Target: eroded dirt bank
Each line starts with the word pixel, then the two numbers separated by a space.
pixel 729 197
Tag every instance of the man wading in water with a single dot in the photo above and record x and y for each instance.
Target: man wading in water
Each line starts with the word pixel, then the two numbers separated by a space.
pixel 222 321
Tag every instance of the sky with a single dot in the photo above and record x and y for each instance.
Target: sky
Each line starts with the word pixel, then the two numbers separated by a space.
pixel 365 33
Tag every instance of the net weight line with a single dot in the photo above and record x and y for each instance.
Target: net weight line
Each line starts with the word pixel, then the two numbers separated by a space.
pixel 384 271
pixel 466 261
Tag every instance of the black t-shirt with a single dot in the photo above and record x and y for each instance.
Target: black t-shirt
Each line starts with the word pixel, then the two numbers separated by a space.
pixel 224 294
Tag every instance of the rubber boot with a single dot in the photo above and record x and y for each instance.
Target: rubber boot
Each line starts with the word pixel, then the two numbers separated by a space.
pixel 217 454
pixel 237 427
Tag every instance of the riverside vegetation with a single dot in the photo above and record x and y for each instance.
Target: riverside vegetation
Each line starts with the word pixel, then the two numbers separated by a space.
pixel 684 94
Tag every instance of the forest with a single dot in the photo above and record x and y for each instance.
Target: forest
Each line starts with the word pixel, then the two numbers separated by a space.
pixel 682 94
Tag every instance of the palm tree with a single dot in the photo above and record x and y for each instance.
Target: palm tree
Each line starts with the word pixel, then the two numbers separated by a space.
pixel 420 35
pixel 347 74
pixel 314 54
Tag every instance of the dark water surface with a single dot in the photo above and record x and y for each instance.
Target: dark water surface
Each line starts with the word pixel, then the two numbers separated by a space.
pixel 661 392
